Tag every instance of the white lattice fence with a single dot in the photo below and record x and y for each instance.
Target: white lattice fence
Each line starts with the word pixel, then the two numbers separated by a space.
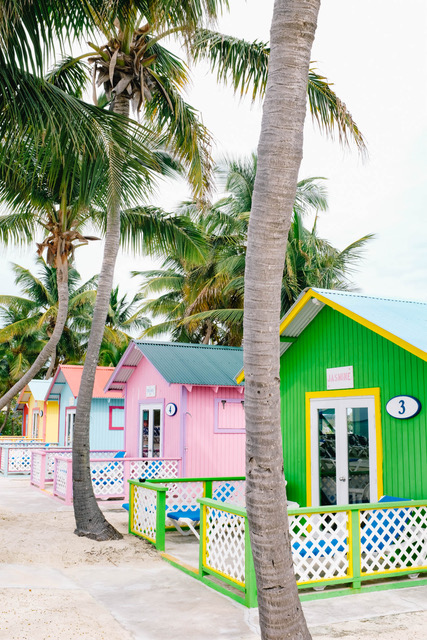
pixel 36 467
pixel 231 491
pixel 60 480
pixel 320 546
pixel 153 468
pixel 50 460
pixel 144 512
pixel 183 496
pixel 3 467
pixel 224 544
pixel 107 477
pixel 19 460
pixel 393 539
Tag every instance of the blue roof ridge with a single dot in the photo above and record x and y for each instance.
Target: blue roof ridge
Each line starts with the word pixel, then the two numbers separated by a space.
pixel 365 295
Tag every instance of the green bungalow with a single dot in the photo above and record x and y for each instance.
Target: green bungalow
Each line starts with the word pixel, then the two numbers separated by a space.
pixel 353 391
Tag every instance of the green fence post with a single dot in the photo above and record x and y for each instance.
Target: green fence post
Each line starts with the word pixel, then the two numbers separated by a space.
pixel 202 541
pixel 161 519
pixel 131 503
pixel 355 549
pixel 251 599
pixel 207 489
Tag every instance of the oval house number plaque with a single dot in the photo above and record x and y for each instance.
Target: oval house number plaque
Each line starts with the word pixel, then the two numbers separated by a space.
pixel 403 407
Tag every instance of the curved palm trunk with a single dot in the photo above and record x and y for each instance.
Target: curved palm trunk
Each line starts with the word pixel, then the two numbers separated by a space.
pixel 6 417
pixel 50 347
pixel 279 156
pixel 90 521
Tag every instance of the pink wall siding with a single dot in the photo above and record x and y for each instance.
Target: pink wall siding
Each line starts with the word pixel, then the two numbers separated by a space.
pixel 146 375
pixel 190 432
pixel 211 453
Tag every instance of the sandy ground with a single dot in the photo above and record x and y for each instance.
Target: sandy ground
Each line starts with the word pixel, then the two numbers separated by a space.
pixel 55 585
pixel 48 539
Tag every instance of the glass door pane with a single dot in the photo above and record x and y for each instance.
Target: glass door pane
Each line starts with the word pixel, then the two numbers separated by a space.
pixel 327 456
pixel 145 434
pixel 156 433
pixel 71 416
pixel 358 454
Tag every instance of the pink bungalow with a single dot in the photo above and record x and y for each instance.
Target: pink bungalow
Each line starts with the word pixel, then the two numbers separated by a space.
pixel 182 401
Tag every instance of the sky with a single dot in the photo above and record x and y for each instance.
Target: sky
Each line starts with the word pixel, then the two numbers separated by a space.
pixel 374 53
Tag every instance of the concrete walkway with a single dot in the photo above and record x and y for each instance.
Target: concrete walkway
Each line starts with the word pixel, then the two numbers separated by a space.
pixel 153 601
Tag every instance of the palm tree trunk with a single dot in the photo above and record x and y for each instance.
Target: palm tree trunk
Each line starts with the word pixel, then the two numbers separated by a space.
pixel 90 521
pixel 279 157
pixel 51 365
pixel 6 417
pixel 50 346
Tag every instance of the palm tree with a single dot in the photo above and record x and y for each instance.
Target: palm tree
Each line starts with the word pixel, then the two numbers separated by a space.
pixel 131 54
pixel 34 316
pixel 201 303
pixel 292 34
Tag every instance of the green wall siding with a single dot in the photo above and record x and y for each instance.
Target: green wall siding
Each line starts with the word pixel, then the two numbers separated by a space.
pixel 333 340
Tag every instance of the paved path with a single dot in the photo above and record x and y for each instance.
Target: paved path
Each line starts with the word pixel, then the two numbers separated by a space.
pixel 154 601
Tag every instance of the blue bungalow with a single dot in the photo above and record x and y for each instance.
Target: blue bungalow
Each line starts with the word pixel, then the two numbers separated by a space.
pixel 107 417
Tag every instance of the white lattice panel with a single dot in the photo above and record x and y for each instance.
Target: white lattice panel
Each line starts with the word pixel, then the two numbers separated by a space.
pixel 231 491
pixel 4 459
pixel 50 461
pixel 183 495
pixel 148 469
pixel 61 477
pixel 107 477
pixel 225 544
pixel 36 467
pixel 393 539
pixel 19 460
pixel 320 546
pixel 144 512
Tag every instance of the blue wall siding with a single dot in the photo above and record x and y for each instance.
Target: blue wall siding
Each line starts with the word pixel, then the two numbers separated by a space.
pixel 100 435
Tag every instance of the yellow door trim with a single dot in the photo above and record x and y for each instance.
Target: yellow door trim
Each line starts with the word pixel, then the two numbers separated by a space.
pixel 344 393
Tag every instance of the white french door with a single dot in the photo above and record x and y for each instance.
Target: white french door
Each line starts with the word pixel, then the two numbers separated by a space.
pixel 151 431
pixel 69 427
pixel 343 450
pixel 35 425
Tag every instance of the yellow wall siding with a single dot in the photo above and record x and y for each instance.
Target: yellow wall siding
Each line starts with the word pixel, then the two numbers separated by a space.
pixel 52 421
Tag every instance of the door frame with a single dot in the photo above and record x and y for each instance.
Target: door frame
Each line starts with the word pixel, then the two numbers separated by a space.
pixel 344 393
pixel 158 403
pixel 69 411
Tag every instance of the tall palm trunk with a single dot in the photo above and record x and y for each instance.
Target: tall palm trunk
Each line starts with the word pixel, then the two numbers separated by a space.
pixel 279 157
pixel 90 521
pixel 6 417
pixel 49 349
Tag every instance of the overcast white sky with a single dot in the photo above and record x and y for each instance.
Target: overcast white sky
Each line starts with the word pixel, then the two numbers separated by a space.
pixel 375 54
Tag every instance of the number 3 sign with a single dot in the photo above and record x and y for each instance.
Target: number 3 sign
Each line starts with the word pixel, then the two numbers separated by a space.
pixel 403 407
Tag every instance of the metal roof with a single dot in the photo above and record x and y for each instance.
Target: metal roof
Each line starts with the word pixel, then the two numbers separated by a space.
pixel 180 363
pixel 401 321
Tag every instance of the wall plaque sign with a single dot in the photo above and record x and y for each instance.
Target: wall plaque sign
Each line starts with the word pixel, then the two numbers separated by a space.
pixel 403 407
pixel 150 391
pixel 339 378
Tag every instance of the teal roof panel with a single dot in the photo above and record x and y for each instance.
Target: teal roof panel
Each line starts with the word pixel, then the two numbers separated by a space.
pixel 195 364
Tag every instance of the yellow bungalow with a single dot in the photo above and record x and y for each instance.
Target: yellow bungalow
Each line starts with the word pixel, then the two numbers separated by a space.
pixel 40 418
